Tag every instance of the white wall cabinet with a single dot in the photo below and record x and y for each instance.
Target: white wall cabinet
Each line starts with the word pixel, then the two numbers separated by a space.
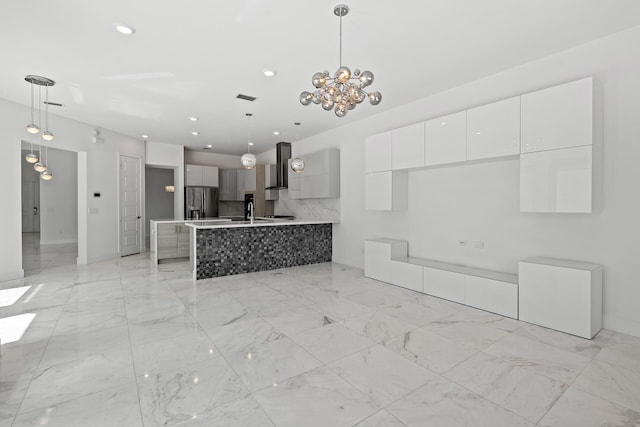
pixel 562 295
pixel 320 178
pixel 557 180
pixel 386 191
pixel 446 139
pixel 407 147
pixel 493 130
pixel 197 175
pixel 377 149
pixel 558 117
pixel 378 254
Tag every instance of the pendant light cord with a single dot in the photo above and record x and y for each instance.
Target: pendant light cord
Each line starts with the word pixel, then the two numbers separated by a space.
pixel 340 40
pixel 39 106
pixel 47 109
pixel 31 102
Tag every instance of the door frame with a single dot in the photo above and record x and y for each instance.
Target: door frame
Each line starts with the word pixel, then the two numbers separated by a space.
pixel 140 200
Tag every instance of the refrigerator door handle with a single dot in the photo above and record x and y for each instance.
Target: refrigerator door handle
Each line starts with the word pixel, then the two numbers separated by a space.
pixel 204 205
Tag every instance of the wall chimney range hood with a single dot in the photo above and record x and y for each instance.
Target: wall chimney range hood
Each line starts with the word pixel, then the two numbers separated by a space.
pixel 283 154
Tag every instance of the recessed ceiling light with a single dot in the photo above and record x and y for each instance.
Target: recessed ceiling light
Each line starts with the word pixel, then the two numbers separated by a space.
pixel 275 132
pixel 209 146
pixel 269 72
pixel 193 119
pixel 194 133
pixel 251 144
pixel 145 136
pixel 125 29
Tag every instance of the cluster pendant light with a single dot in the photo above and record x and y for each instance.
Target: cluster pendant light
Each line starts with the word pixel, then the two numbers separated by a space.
pixel 34 129
pixel 345 89
pixel 248 159
pixel 297 164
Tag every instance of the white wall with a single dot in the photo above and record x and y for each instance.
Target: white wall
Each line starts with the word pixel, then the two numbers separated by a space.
pixel 97 171
pixel 165 155
pixel 479 202
pixel 204 158
pixel 59 199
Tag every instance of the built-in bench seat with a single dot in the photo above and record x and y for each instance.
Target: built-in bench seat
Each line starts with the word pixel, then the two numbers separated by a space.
pixel 387 260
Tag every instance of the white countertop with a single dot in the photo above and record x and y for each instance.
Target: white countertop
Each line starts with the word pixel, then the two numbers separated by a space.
pixel 183 221
pixel 261 222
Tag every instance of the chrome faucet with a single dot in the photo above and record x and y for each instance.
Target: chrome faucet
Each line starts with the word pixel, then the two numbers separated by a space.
pixel 251 211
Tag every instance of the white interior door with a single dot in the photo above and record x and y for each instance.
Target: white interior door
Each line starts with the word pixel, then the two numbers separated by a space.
pixel 30 206
pixel 130 205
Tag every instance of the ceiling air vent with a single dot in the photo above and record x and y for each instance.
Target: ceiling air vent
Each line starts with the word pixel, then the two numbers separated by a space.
pixel 55 104
pixel 246 97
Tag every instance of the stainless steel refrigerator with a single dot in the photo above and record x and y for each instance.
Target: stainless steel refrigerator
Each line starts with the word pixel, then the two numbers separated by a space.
pixel 200 202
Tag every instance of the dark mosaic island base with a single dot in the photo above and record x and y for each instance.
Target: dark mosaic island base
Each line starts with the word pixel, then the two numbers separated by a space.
pixel 237 250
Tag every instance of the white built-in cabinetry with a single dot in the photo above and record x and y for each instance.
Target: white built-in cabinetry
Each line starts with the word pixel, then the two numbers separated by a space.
pixel 552 130
pixel 386 260
pixel 320 178
pixel 559 157
pixel 493 130
pixel 201 176
pixel 407 147
pixel 446 139
pixel 561 294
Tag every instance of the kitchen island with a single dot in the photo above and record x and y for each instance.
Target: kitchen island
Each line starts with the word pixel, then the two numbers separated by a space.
pixel 223 249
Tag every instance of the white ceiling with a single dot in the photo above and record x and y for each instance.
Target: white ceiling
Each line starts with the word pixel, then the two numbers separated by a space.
pixel 192 57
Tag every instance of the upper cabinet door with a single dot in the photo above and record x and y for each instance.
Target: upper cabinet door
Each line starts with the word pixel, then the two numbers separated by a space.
pixel 407 147
pixel 193 175
pixel 493 130
pixel 378 152
pixel 446 139
pixel 210 176
pixel 558 117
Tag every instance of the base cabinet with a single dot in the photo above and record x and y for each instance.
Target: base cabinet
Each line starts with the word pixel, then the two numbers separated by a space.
pixel 172 241
pixel 377 257
pixel 406 275
pixel 444 284
pixel 491 295
pixel 562 295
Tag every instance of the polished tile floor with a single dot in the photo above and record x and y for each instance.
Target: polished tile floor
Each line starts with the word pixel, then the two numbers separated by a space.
pixel 127 343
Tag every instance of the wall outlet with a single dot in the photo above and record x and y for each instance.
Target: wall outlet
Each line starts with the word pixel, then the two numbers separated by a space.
pixel 478 245
pixel 462 243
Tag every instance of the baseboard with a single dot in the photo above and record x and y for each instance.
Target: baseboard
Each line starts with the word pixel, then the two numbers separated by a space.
pixel 624 326
pixel 57 242
pixel 9 275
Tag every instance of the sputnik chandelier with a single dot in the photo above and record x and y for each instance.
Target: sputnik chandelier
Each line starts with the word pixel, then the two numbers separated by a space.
pixel 346 89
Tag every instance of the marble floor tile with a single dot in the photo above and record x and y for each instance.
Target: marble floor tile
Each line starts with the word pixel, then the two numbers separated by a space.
pixel 429 350
pixel 217 316
pixel 341 309
pixel 172 353
pixel 275 304
pixel 172 397
pixel 611 382
pixel 7 422
pixel 12 391
pixel 622 350
pixel 172 325
pixel 318 398
pixel 373 300
pixel 413 313
pixel 478 330
pixel 113 407
pixel 381 419
pixel 332 342
pixel 238 413
pixel 378 326
pixel 57 383
pixel 539 358
pixel 518 390
pixel 442 403
pixel 201 299
pixel 269 363
pixel 579 409
pixel 381 374
pixel 298 320
pixel 571 343
pixel 244 334
pixel 19 358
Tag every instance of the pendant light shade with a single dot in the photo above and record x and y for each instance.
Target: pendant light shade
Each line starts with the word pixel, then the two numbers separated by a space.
pixel 40 167
pixel 46 175
pixel 297 164
pixel 31 157
pixel 248 159
pixel 47 135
